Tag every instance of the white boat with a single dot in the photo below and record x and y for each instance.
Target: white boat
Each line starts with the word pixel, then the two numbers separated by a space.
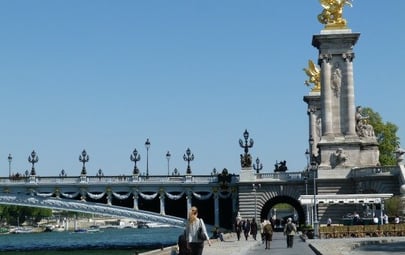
pixel 93 228
pixel 157 225
pixel 22 230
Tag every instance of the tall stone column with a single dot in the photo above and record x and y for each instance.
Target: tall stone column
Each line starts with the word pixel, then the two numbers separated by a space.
pixel 326 95
pixel 314 120
pixel 351 118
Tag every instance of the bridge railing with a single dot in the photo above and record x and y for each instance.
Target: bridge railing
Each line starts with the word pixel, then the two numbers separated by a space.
pixel 282 176
pixel 370 171
pixel 114 179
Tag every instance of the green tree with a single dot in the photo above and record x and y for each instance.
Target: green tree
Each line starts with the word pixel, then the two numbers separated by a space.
pixel 386 134
pixel 15 215
pixel 394 206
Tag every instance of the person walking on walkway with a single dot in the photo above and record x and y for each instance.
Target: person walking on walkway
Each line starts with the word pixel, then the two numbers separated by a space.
pixel 253 228
pixel 194 226
pixel 246 229
pixel 290 230
pixel 261 225
pixel 268 233
pixel 238 228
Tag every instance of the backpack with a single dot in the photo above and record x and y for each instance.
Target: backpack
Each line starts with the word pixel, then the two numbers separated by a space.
pixel 290 227
pixel 267 229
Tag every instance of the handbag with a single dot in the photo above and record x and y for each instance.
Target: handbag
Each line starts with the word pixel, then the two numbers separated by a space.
pixel 200 234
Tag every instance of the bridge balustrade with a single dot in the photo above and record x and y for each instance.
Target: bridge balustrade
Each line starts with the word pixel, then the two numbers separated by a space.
pixel 113 179
pixel 282 176
pixel 370 171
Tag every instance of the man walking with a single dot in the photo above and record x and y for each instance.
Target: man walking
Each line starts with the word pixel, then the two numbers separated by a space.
pixel 290 230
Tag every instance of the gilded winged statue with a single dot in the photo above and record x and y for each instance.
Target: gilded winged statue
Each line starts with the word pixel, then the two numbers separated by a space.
pixel 331 15
pixel 314 76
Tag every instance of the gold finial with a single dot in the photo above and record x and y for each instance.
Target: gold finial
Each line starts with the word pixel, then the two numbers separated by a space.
pixel 331 15
pixel 314 76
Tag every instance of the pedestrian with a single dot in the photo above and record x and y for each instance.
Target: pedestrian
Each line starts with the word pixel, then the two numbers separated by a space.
pixel 268 233
pixel 290 230
pixel 261 225
pixel 329 222
pixel 238 228
pixel 386 221
pixel 253 228
pixel 396 220
pixel 246 229
pixel 194 226
pixel 183 248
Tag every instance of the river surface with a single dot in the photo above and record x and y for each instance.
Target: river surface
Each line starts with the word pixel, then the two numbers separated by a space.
pixel 127 241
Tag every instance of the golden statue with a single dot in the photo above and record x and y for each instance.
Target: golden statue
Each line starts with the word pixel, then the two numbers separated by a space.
pixel 314 76
pixel 331 15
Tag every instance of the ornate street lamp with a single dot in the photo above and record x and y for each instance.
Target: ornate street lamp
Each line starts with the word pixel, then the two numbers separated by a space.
pixel 258 166
pixel 188 157
pixel 10 158
pixel 246 159
pixel 63 173
pixel 33 158
pixel 147 146
pixel 84 158
pixel 100 173
pixel 168 155
pixel 135 157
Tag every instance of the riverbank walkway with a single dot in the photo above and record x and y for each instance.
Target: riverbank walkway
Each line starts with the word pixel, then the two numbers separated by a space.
pixel 344 246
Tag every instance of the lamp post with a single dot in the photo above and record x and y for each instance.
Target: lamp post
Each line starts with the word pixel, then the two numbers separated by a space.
pixel 314 168
pixel 10 158
pixel 147 146
pixel 84 157
pixel 188 157
pixel 258 166
pixel 254 189
pixel 135 157
pixel 33 158
pixel 168 155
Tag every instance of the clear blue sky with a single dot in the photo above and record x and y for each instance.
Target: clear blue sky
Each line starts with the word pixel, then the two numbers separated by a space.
pixel 105 75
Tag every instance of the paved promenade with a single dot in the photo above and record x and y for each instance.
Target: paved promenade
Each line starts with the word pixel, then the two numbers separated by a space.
pixel 250 247
pixel 352 246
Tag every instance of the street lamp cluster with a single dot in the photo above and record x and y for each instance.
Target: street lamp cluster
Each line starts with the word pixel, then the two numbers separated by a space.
pixel 134 157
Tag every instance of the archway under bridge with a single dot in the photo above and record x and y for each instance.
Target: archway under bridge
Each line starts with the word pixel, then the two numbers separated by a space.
pixel 266 209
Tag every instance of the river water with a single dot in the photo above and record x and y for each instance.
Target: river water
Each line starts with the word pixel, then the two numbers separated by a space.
pixel 127 241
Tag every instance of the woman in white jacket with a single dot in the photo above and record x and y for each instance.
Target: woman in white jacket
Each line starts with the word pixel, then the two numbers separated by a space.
pixel 193 224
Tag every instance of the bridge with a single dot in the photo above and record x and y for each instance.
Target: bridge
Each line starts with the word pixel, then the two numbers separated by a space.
pixel 343 173
pixel 166 199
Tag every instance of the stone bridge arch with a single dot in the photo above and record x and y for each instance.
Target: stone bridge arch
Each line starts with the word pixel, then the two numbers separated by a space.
pixel 266 208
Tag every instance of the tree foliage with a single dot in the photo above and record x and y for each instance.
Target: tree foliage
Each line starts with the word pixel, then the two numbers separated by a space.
pixel 394 206
pixel 386 134
pixel 15 215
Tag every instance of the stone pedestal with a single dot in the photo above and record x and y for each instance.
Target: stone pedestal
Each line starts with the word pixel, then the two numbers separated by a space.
pixel 247 174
